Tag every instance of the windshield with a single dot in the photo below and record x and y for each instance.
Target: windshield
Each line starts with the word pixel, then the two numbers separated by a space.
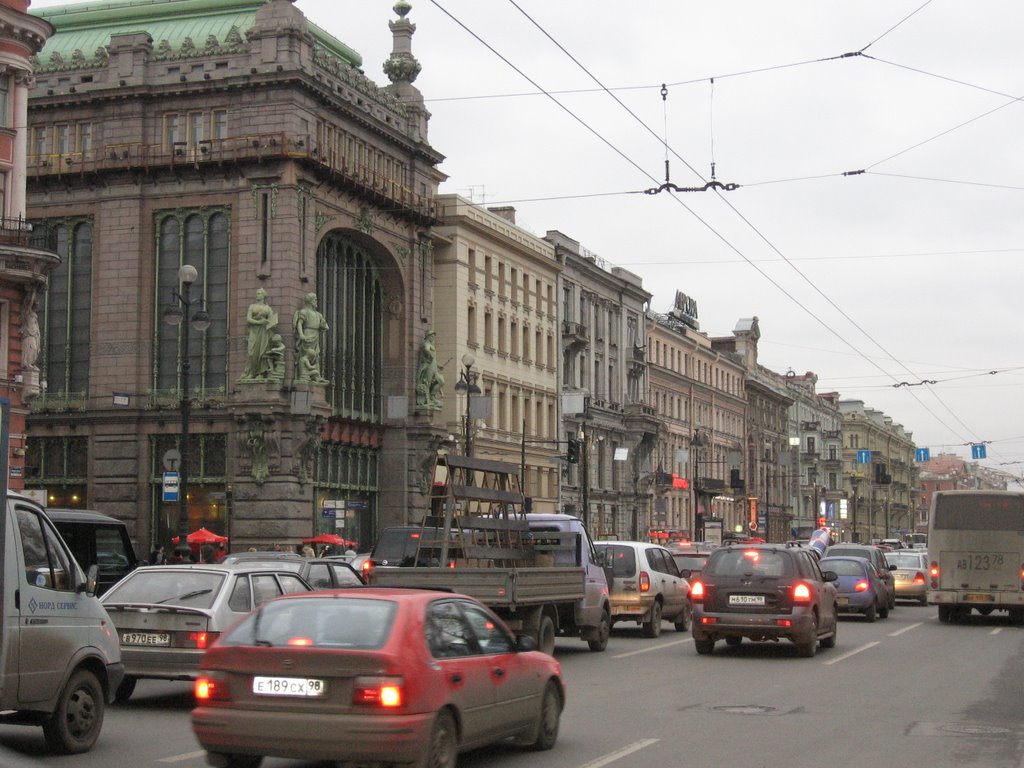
pixel 188 589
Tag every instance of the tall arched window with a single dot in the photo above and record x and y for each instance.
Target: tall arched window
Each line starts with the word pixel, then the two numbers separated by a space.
pixel 200 238
pixel 66 308
pixel 349 293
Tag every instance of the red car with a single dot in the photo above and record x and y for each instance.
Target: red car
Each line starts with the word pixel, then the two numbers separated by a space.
pixel 375 674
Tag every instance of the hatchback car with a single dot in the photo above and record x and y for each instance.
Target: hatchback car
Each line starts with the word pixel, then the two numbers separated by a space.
pixel 318 572
pixel 764 592
pixel 690 562
pixel 858 588
pixel 646 585
pixel 876 557
pixel 910 574
pixel 167 615
pixel 375 676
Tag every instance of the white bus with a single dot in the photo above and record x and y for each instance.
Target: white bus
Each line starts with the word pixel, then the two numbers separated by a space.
pixel 976 553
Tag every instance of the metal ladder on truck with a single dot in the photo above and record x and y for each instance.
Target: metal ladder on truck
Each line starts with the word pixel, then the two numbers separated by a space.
pixel 476 516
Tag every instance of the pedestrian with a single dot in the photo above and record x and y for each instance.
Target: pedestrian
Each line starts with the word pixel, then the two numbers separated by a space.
pixel 307 551
pixel 220 553
pixel 157 557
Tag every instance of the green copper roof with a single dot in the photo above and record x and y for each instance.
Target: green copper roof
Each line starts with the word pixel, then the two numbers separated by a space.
pixel 86 27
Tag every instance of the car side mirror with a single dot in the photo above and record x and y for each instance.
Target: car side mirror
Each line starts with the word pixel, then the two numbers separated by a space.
pixel 526 643
pixel 686 573
pixel 89 585
pixel 830 575
pixel 893 567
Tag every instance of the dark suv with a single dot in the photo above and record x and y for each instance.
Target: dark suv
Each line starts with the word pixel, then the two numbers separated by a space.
pixel 876 557
pixel 764 592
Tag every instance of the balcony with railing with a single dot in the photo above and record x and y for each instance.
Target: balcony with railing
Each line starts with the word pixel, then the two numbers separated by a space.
pixel 210 154
pixel 575 333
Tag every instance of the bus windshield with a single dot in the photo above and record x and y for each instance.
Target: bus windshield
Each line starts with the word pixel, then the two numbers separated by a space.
pixel 979 512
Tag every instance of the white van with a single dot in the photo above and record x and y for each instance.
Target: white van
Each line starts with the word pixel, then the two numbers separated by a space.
pixel 60 660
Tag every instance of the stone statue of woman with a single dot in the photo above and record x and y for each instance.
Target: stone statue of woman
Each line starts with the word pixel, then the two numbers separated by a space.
pixel 262 358
pixel 30 333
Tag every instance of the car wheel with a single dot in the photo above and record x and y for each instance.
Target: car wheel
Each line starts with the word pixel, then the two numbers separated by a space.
pixel 76 722
pixel 1017 615
pixel 221 760
pixel 443 747
pixel 733 641
pixel 125 689
pixel 704 647
pixel 546 636
pixel 883 611
pixel 830 641
pixel 945 613
pixel 652 628
pixel 923 599
pixel 683 620
pixel 548 717
pixel 600 642
pixel 809 648
pixel 871 612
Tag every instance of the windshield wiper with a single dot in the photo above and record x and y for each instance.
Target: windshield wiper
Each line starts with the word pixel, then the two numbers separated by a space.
pixel 186 596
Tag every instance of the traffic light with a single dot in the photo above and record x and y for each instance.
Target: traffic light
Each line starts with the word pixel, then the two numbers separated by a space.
pixel 572 453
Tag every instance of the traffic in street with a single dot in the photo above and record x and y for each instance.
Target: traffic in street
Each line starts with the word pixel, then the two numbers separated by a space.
pixel 904 690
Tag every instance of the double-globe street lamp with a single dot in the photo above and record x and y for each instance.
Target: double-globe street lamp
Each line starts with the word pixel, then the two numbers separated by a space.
pixel 467 384
pixel 179 312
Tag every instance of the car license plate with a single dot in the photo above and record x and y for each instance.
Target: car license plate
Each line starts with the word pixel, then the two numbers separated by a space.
pixel 288 686
pixel 145 638
pixel 974 597
pixel 842 601
pixel 746 599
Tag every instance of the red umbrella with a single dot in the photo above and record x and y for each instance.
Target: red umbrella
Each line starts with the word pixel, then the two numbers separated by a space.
pixel 203 536
pixel 329 538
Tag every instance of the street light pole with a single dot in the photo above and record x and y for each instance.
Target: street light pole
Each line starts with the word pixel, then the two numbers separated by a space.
pixel 180 312
pixel 467 384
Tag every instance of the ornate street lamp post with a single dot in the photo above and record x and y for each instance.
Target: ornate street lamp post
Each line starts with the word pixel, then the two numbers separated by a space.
pixel 467 384
pixel 179 312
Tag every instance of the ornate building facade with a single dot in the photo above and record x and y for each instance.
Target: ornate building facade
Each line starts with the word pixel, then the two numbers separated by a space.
pixel 244 142
pixel 698 394
pixel 605 406
pixel 24 262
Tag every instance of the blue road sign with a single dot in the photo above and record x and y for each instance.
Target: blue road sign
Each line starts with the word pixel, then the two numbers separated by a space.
pixel 863 456
pixel 170 486
pixel 977 450
pixel 922 455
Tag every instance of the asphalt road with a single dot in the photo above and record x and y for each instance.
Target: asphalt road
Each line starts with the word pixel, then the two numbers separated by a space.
pixel 903 691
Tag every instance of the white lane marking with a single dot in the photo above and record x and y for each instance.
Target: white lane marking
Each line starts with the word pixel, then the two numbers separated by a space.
pixel 182 758
pixel 996 631
pixel 650 648
pixel 854 652
pixel 618 754
pixel 899 632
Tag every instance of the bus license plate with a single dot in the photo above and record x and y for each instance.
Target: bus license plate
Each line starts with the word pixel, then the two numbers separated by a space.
pixel 145 638
pixel 746 599
pixel 288 686
pixel 977 597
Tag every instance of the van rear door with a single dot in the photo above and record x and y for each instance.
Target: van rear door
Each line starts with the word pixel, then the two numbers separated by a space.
pixel 52 628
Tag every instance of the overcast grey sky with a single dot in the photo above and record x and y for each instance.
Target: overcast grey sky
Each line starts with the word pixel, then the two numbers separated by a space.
pixel 908 272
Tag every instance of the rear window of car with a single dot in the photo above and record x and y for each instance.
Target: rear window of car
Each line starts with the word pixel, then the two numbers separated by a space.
pixel 842 566
pixel 188 589
pixel 764 563
pixel 319 623
pixel 621 559
pixel 904 559
pixel 867 554
pixel 690 562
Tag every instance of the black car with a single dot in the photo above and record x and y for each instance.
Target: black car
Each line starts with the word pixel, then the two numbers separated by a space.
pixel 764 592
pixel 876 557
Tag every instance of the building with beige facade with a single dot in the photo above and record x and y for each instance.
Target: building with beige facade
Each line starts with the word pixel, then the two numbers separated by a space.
pixel 496 318
pixel 879 473
pixel 698 394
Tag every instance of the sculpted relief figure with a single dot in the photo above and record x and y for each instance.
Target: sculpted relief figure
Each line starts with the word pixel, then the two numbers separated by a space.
pixel 429 381
pixel 309 325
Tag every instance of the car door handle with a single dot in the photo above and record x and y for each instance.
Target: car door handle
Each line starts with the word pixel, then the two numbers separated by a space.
pixel 456 678
pixel 499 672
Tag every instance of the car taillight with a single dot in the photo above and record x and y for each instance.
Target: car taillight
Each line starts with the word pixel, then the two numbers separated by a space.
pixel 366 567
pixel 645 581
pixel 697 592
pixel 919 578
pixel 801 593
pixel 933 571
pixel 1022 576
pixel 211 689
pixel 386 692
pixel 861 586
pixel 200 640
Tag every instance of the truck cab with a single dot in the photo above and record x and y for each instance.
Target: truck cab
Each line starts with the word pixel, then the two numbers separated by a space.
pixel 60 660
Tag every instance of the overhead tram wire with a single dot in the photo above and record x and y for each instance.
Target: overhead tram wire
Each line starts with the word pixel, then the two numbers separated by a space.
pixel 763 238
